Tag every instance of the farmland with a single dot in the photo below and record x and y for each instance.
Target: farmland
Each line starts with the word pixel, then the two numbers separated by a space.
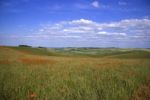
pixel 74 73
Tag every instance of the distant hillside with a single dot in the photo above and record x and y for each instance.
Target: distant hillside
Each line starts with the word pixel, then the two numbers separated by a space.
pixel 91 52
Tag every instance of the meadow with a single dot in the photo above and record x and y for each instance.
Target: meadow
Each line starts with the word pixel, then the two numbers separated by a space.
pixel 74 73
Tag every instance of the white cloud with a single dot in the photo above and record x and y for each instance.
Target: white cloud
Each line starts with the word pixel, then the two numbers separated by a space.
pixel 83 29
pixel 111 33
pixel 95 4
pixel 88 28
pixel 69 36
pixel 129 31
pixel 74 30
pixel 81 21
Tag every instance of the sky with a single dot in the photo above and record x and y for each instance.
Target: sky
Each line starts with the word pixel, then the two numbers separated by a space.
pixel 75 23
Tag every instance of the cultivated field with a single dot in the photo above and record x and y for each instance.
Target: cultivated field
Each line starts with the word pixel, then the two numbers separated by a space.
pixel 74 74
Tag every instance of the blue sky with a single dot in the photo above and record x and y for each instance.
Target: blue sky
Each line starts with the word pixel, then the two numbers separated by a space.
pixel 75 23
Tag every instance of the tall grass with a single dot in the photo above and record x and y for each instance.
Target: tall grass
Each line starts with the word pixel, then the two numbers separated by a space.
pixel 29 77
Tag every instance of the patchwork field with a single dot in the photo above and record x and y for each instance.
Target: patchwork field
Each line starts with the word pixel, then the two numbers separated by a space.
pixel 74 74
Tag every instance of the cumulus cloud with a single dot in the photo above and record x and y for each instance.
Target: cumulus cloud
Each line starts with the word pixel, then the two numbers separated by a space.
pixel 95 4
pixel 82 21
pixel 84 28
pixel 125 31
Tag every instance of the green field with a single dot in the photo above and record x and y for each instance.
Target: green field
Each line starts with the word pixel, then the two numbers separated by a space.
pixel 74 73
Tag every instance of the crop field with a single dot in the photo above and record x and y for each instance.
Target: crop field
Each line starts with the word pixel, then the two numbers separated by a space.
pixel 74 73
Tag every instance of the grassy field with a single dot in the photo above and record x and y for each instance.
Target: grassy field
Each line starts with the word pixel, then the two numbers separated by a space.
pixel 74 74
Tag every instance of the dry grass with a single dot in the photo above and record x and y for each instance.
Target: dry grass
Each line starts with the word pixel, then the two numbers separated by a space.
pixel 5 62
pixel 32 95
pixel 143 92
pixel 36 60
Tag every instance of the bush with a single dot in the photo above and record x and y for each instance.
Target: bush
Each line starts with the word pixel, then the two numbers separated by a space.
pixel 24 46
